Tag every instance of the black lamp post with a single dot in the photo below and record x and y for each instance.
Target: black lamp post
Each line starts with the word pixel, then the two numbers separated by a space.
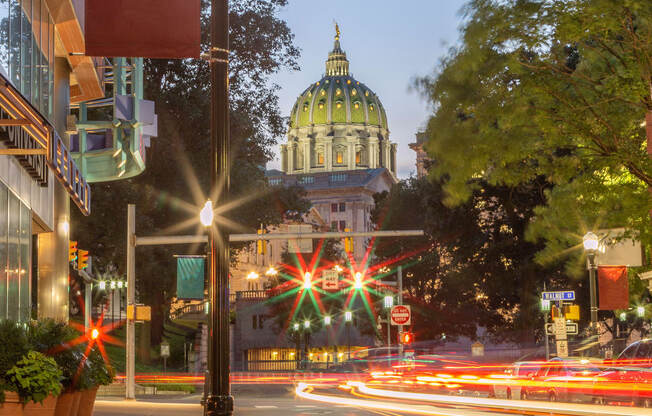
pixel 590 243
pixel 219 400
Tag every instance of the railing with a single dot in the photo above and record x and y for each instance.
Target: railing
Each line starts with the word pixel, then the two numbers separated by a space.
pixel 251 295
pixel 187 309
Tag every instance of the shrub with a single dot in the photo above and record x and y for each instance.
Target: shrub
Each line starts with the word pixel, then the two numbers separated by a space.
pixel 95 372
pixel 35 377
pixel 13 345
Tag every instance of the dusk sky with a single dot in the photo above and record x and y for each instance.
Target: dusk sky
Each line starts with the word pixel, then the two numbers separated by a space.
pixel 387 43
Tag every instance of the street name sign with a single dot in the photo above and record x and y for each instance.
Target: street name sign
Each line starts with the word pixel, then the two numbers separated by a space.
pixel 562 349
pixel 571 329
pixel 401 315
pixel 330 280
pixel 559 296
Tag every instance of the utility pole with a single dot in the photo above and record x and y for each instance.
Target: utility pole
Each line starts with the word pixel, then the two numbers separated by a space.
pixel 219 400
pixel 399 276
pixel 131 301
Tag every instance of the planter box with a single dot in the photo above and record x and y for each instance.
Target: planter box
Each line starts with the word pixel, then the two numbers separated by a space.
pixel 68 404
pixel 87 402
pixel 41 409
pixel 12 405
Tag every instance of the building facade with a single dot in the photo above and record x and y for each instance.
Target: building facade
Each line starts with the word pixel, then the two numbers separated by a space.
pixel 422 160
pixel 42 71
pixel 339 150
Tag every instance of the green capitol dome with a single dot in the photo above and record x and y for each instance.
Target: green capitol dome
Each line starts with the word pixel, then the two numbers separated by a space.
pixel 337 123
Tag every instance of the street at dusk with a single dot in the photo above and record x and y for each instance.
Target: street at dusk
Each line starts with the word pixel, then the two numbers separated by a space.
pixel 290 207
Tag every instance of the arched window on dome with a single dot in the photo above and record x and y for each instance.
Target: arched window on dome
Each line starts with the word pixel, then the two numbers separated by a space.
pixel 338 155
pixel 361 155
pixel 319 156
pixel 321 104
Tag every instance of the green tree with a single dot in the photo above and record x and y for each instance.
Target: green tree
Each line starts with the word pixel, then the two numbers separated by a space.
pixel 555 89
pixel 175 184
pixel 473 267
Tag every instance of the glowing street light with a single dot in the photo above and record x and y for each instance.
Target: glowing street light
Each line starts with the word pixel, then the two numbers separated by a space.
pixel 307 283
pixel 591 243
pixel 271 272
pixel 306 324
pixel 206 214
pixel 623 316
pixel 113 284
pixel 295 326
pixel 358 280
pixel 327 320
pixel 252 276
pixel 348 316
pixel 640 311
pixel 120 284
pixel 388 301
pixel 102 285
pixel 95 333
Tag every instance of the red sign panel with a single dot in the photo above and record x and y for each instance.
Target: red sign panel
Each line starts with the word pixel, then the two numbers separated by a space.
pixel 401 315
pixel 613 287
pixel 147 28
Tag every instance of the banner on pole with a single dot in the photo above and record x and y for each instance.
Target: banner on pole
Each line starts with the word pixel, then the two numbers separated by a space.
pixel 190 277
pixel 613 287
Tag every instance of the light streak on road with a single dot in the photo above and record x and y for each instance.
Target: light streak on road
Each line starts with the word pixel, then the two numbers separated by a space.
pixel 304 391
pixel 556 407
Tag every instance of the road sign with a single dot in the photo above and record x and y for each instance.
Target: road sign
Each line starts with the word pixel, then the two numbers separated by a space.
pixel 558 296
pixel 330 280
pixel 401 315
pixel 559 328
pixel 165 349
pixel 562 349
pixel 571 329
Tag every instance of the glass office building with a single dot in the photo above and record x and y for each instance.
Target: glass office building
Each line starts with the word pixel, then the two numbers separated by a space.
pixel 27 50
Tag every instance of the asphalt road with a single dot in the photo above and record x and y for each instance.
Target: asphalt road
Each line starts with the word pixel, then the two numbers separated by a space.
pixel 246 405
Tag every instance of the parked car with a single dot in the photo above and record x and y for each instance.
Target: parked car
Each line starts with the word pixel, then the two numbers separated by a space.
pixel 562 379
pixel 510 386
pixel 627 378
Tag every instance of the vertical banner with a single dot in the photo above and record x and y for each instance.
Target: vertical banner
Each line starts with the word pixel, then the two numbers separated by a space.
pixel 613 287
pixel 190 277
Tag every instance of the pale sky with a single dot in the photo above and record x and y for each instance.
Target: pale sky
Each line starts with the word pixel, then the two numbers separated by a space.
pixel 387 42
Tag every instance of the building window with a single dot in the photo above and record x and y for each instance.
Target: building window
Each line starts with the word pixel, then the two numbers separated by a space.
pixel 333 207
pixel 274 181
pixel 334 226
pixel 320 158
pixel 339 157
pixel 254 321
pixel 358 157
pixel 342 206
pixel 305 180
pixel 342 225
pixel 338 177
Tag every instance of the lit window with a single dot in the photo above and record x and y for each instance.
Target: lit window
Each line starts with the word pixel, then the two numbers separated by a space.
pixel 321 105
pixel 371 107
pixel 354 92
pixel 339 104
pixel 338 92
pixel 323 92
pixel 366 93
pixel 317 83
pixel 358 157
pixel 305 108
pixel 309 93
pixel 348 81
pixel 320 158
pixel 356 105
pixel 339 157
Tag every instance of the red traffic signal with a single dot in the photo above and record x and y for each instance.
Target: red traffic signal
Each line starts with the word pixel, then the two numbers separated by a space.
pixel 406 338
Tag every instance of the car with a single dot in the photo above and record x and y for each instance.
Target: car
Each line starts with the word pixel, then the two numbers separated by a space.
pixel 510 385
pixel 627 378
pixel 562 379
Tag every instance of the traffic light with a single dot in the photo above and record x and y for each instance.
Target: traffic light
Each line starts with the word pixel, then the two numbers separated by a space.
pixel 348 242
pixel 72 250
pixel 406 338
pixel 261 245
pixel 82 262
pixel 572 312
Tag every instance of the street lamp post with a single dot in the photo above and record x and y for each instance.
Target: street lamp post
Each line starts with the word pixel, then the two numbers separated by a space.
pixel 348 317
pixel 388 302
pixel 219 400
pixel 590 242
pixel 327 324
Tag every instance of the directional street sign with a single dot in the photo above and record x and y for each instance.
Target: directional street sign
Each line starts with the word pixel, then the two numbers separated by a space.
pixel 559 296
pixel 401 315
pixel 571 328
pixel 330 280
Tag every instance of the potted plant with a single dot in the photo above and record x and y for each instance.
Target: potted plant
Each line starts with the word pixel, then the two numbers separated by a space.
pixel 12 348
pixel 55 339
pixel 97 373
pixel 37 379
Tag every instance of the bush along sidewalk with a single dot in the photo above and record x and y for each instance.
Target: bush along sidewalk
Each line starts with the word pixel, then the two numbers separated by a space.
pixel 47 367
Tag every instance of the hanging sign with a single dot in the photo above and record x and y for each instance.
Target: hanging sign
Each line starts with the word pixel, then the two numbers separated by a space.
pixel 190 277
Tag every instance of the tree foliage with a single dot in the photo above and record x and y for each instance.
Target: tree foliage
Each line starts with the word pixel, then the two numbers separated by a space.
pixel 473 267
pixel 175 184
pixel 555 89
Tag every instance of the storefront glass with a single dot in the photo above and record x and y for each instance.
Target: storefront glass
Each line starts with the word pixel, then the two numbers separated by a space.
pixel 15 258
pixel 27 50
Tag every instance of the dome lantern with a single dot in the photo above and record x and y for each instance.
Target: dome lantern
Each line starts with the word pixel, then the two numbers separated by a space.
pixel 337 64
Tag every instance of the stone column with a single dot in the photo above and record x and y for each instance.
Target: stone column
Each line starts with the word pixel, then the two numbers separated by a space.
pixel 290 157
pixel 373 152
pixel 328 153
pixel 350 149
pixel 307 156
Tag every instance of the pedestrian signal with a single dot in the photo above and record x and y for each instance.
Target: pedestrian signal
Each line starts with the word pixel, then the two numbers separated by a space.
pixel 348 242
pixel 406 338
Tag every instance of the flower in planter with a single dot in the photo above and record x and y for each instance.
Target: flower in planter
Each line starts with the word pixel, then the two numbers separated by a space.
pixel 35 377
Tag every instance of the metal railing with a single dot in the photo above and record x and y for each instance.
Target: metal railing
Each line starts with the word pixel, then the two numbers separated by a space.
pixel 197 308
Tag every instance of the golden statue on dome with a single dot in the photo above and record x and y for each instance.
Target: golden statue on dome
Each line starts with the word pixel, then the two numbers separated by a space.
pixel 337 31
